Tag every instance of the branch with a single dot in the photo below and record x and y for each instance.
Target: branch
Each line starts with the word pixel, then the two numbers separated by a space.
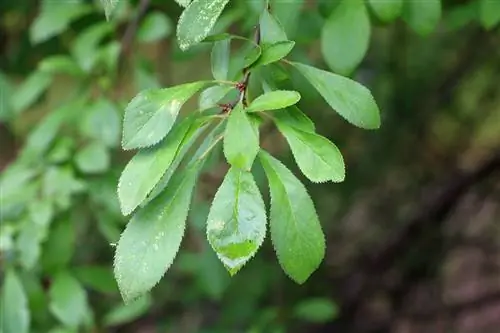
pixel 130 31
pixel 242 85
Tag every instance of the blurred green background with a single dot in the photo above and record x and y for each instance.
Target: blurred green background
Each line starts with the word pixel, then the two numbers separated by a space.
pixel 413 234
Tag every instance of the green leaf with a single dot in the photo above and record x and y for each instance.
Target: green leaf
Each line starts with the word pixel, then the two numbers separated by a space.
pixel 212 95
pixel 59 183
pixel 241 140
pixel 60 64
pixel 109 7
pixel 18 187
pixel 99 278
pixel 210 275
pixel 183 3
pixel 196 129
pixel 68 300
pixel 274 100
pixel 197 20
pixel 252 56
pixel 85 47
pixel 220 59
pixel 151 114
pixel 316 310
pixel 274 52
pixel 317 157
pixel 422 16
pixel 41 138
pixel 62 150
pixel 271 30
pixel 489 13
pixel 101 122
pixel 147 167
pixel 58 249
pixel 218 37
pixel 293 117
pixel 28 244
pixel 93 158
pixel 14 315
pixel 54 18
pixel 145 78
pixel 156 26
pixel 125 313
pixel 387 10
pixel 289 14
pixel 30 90
pixel 41 212
pixel 345 36
pixel 150 242
pixel 5 98
pixel 107 56
pixel 295 229
pixel 236 224
pixel 348 98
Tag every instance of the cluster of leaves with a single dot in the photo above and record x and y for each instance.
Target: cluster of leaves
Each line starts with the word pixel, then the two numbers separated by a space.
pixel 158 181
pixel 59 205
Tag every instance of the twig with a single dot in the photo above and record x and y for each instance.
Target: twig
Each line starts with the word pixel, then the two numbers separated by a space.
pixel 242 85
pixel 130 31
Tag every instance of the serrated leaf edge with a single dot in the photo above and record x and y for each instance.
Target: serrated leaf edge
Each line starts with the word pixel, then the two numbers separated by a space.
pixel 233 271
pixel 308 176
pixel 262 153
pixel 125 297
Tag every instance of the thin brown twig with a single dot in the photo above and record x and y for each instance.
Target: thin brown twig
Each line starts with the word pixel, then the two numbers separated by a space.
pixel 129 35
pixel 242 85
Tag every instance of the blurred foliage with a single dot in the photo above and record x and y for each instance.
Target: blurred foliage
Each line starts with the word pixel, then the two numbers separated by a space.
pixel 66 75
